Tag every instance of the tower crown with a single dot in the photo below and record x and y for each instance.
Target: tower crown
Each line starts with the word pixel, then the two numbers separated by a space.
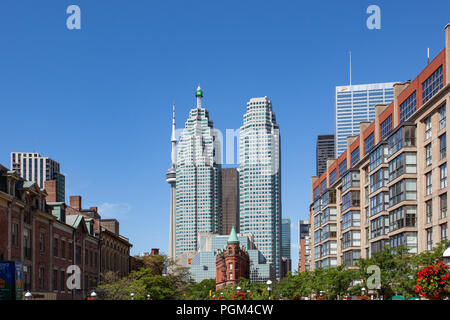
pixel 199 92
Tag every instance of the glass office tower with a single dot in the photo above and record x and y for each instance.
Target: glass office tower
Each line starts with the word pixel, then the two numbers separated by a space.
pixel 355 104
pixel 198 189
pixel 260 180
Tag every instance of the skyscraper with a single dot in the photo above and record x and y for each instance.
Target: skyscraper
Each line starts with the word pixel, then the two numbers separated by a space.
pixel 355 104
pixel 33 167
pixel 171 179
pixel 324 151
pixel 230 199
pixel 198 181
pixel 286 245
pixel 260 180
pixel 304 241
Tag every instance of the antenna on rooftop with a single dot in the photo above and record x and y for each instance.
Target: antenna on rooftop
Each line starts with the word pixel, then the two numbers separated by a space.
pixel 428 55
pixel 350 67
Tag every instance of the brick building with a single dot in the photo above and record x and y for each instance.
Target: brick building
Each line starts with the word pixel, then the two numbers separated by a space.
pixel 114 248
pixel 389 187
pixel 232 263
pixel 36 233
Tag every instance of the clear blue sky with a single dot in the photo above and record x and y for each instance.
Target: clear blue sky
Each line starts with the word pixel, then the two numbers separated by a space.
pixel 98 100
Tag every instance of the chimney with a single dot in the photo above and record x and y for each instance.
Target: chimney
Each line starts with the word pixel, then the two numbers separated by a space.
pixel 95 209
pixel 51 186
pixel 75 202
pixel 155 252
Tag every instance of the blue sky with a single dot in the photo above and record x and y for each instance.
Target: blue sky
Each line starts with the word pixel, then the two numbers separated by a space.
pixel 98 100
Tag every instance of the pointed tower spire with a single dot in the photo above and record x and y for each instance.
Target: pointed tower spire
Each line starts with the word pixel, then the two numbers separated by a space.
pixel 199 95
pixel 174 139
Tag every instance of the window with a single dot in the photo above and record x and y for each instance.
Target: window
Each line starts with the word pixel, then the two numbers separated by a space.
pixel 323 186
pixel 378 157
pixel 351 239
pixel 342 167
pixel 443 171
pixel 379 226
pixel 429 211
pixel 404 137
pixel 350 258
pixel 409 239
pixel 378 179
pixel 78 255
pixel 231 266
pixel 86 256
pixel 351 219
pixel 350 199
pixel 41 243
pixel 379 203
pixel 316 193
pixel 444 232
pixel 333 177
pixel 70 254
pixel 15 237
pixel 443 205
pixel 355 156
pixel 386 127
pixel 63 249
pixel 368 143
pixel 403 163
pixel 55 280
pixel 402 217
pixel 27 244
pixel 428 128
pixel 403 190
pixel 428 188
pixel 55 247
pixel 408 107
pixel 62 281
pixel 432 85
pixel 428 155
pixel 443 146
pixel 442 118
pixel 350 180
pixel 430 239
pixel 329 214
pixel 41 278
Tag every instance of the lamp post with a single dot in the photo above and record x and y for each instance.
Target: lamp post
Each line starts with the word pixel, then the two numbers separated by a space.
pixel 93 295
pixel 28 295
pixel 238 289
pixel 132 296
pixel 363 291
pixel 148 297
pixel 269 288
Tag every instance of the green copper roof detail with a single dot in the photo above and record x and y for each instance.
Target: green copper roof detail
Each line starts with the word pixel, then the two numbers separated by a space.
pixel 199 93
pixel 233 236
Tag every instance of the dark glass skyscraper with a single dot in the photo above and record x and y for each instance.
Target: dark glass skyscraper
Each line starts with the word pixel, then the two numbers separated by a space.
pixel 324 150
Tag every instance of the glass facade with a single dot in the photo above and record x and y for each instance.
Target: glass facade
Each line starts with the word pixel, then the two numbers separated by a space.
pixel 355 104
pixel 260 180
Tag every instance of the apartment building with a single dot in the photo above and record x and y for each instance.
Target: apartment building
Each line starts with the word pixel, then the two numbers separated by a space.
pixel 389 186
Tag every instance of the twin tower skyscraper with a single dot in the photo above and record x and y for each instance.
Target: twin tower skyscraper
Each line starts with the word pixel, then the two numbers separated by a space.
pixel 195 179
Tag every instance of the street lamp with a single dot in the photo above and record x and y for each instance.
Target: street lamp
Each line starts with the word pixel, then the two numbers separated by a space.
pixel 149 297
pixel 238 289
pixel 28 295
pixel 132 296
pixel 363 291
pixel 93 295
pixel 269 288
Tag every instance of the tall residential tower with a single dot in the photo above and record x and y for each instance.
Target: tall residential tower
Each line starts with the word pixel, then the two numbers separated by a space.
pixel 260 180
pixel 34 167
pixel 198 180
